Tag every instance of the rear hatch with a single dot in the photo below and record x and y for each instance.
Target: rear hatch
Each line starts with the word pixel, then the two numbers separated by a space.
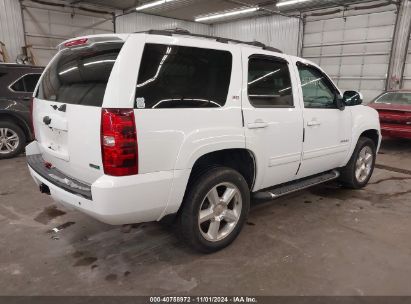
pixel 67 106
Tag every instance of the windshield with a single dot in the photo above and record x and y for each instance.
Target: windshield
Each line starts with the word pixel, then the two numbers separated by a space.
pixel 395 98
pixel 79 75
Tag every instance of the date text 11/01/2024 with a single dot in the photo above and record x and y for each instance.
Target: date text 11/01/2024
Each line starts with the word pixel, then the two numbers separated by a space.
pixel 199 299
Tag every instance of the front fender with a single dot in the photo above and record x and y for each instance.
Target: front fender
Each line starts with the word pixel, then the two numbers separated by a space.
pixel 363 119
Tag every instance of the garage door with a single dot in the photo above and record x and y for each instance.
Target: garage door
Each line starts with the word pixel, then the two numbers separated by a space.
pixel 407 70
pixel 45 29
pixel 354 51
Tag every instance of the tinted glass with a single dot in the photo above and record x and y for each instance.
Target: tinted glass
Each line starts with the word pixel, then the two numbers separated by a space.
pixel 183 77
pixel 395 98
pixel 80 75
pixel 317 89
pixel 269 83
pixel 30 82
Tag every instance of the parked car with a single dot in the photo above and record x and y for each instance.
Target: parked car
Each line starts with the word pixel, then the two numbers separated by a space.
pixel 152 126
pixel 17 83
pixel 394 109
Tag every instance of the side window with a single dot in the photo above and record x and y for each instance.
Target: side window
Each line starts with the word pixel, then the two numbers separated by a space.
pixel 318 92
pixel 26 84
pixel 18 86
pixel 30 82
pixel 183 77
pixel 269 83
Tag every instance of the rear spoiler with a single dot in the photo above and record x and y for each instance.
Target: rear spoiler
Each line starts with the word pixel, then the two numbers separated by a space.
pixel 90 40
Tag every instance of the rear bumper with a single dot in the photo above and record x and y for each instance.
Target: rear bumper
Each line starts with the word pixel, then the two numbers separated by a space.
pixel 54 176
pixel 112 200
pixel 396 130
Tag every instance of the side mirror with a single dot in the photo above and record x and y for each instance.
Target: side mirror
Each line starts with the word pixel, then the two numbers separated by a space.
pixel 352 98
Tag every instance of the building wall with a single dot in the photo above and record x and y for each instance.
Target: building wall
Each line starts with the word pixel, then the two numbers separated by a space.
pixel 353 47
pixel 406 83
pixel 136 22
pixel 11 27
pixel 48 26
pixel 276 31
pixel 404 41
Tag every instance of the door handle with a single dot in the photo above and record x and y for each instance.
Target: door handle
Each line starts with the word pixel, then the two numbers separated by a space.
pixel 313 123
pixel 258 124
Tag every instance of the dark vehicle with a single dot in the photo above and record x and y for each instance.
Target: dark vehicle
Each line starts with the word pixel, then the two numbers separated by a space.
pixel 17 83
pixel 394 109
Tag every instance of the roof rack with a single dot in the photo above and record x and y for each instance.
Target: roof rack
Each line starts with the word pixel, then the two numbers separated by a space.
pixel 183 32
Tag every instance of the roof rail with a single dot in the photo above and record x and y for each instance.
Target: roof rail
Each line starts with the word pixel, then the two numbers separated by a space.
pixel 19 65
pixel 183 32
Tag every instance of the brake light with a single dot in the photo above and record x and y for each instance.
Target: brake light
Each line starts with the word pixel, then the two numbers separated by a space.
pixel 76 42
pixel 119 142
pixel 32 117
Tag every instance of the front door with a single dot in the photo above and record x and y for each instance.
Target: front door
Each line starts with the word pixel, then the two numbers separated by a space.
pixel 327 128
pixel 273 118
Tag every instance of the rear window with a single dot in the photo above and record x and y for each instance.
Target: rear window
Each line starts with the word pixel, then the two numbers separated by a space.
pixel 80 75
pixel 183 77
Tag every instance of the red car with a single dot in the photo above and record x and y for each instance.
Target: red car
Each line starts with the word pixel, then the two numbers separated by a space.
pixel 394 109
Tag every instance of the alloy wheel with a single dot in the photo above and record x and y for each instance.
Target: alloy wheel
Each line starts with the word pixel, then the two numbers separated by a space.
pixel 9 141
pixel 363 166
pixel 220 212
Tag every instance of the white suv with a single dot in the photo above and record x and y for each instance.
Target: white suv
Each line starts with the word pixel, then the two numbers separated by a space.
pixel 149 126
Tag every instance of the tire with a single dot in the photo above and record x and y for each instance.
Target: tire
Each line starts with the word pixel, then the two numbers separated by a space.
pixel 8 147
pixel 349 174
pixel 228 214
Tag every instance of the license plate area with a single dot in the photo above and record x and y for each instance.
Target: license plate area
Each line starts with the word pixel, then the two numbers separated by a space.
pixel 54 136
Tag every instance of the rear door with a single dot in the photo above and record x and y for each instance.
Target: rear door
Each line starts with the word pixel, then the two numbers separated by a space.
pixel 67 106
pixel 272 116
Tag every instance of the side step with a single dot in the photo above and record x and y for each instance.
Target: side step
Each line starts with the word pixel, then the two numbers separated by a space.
pixel 287 188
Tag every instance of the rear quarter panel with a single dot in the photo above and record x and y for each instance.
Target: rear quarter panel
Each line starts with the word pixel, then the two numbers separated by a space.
pixel 173 139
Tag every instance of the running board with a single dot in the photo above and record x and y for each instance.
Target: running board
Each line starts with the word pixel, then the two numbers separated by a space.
pixel 287 188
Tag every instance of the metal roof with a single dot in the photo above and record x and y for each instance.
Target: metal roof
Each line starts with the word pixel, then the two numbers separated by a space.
pixel 190 9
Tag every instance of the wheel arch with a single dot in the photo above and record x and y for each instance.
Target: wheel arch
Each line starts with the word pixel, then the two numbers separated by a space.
pixel 239 159
pixel 12 117
pixel 372 134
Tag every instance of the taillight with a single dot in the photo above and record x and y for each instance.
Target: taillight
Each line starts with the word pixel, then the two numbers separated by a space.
pixel 119 142
pixel 32 117
pixel 76 42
